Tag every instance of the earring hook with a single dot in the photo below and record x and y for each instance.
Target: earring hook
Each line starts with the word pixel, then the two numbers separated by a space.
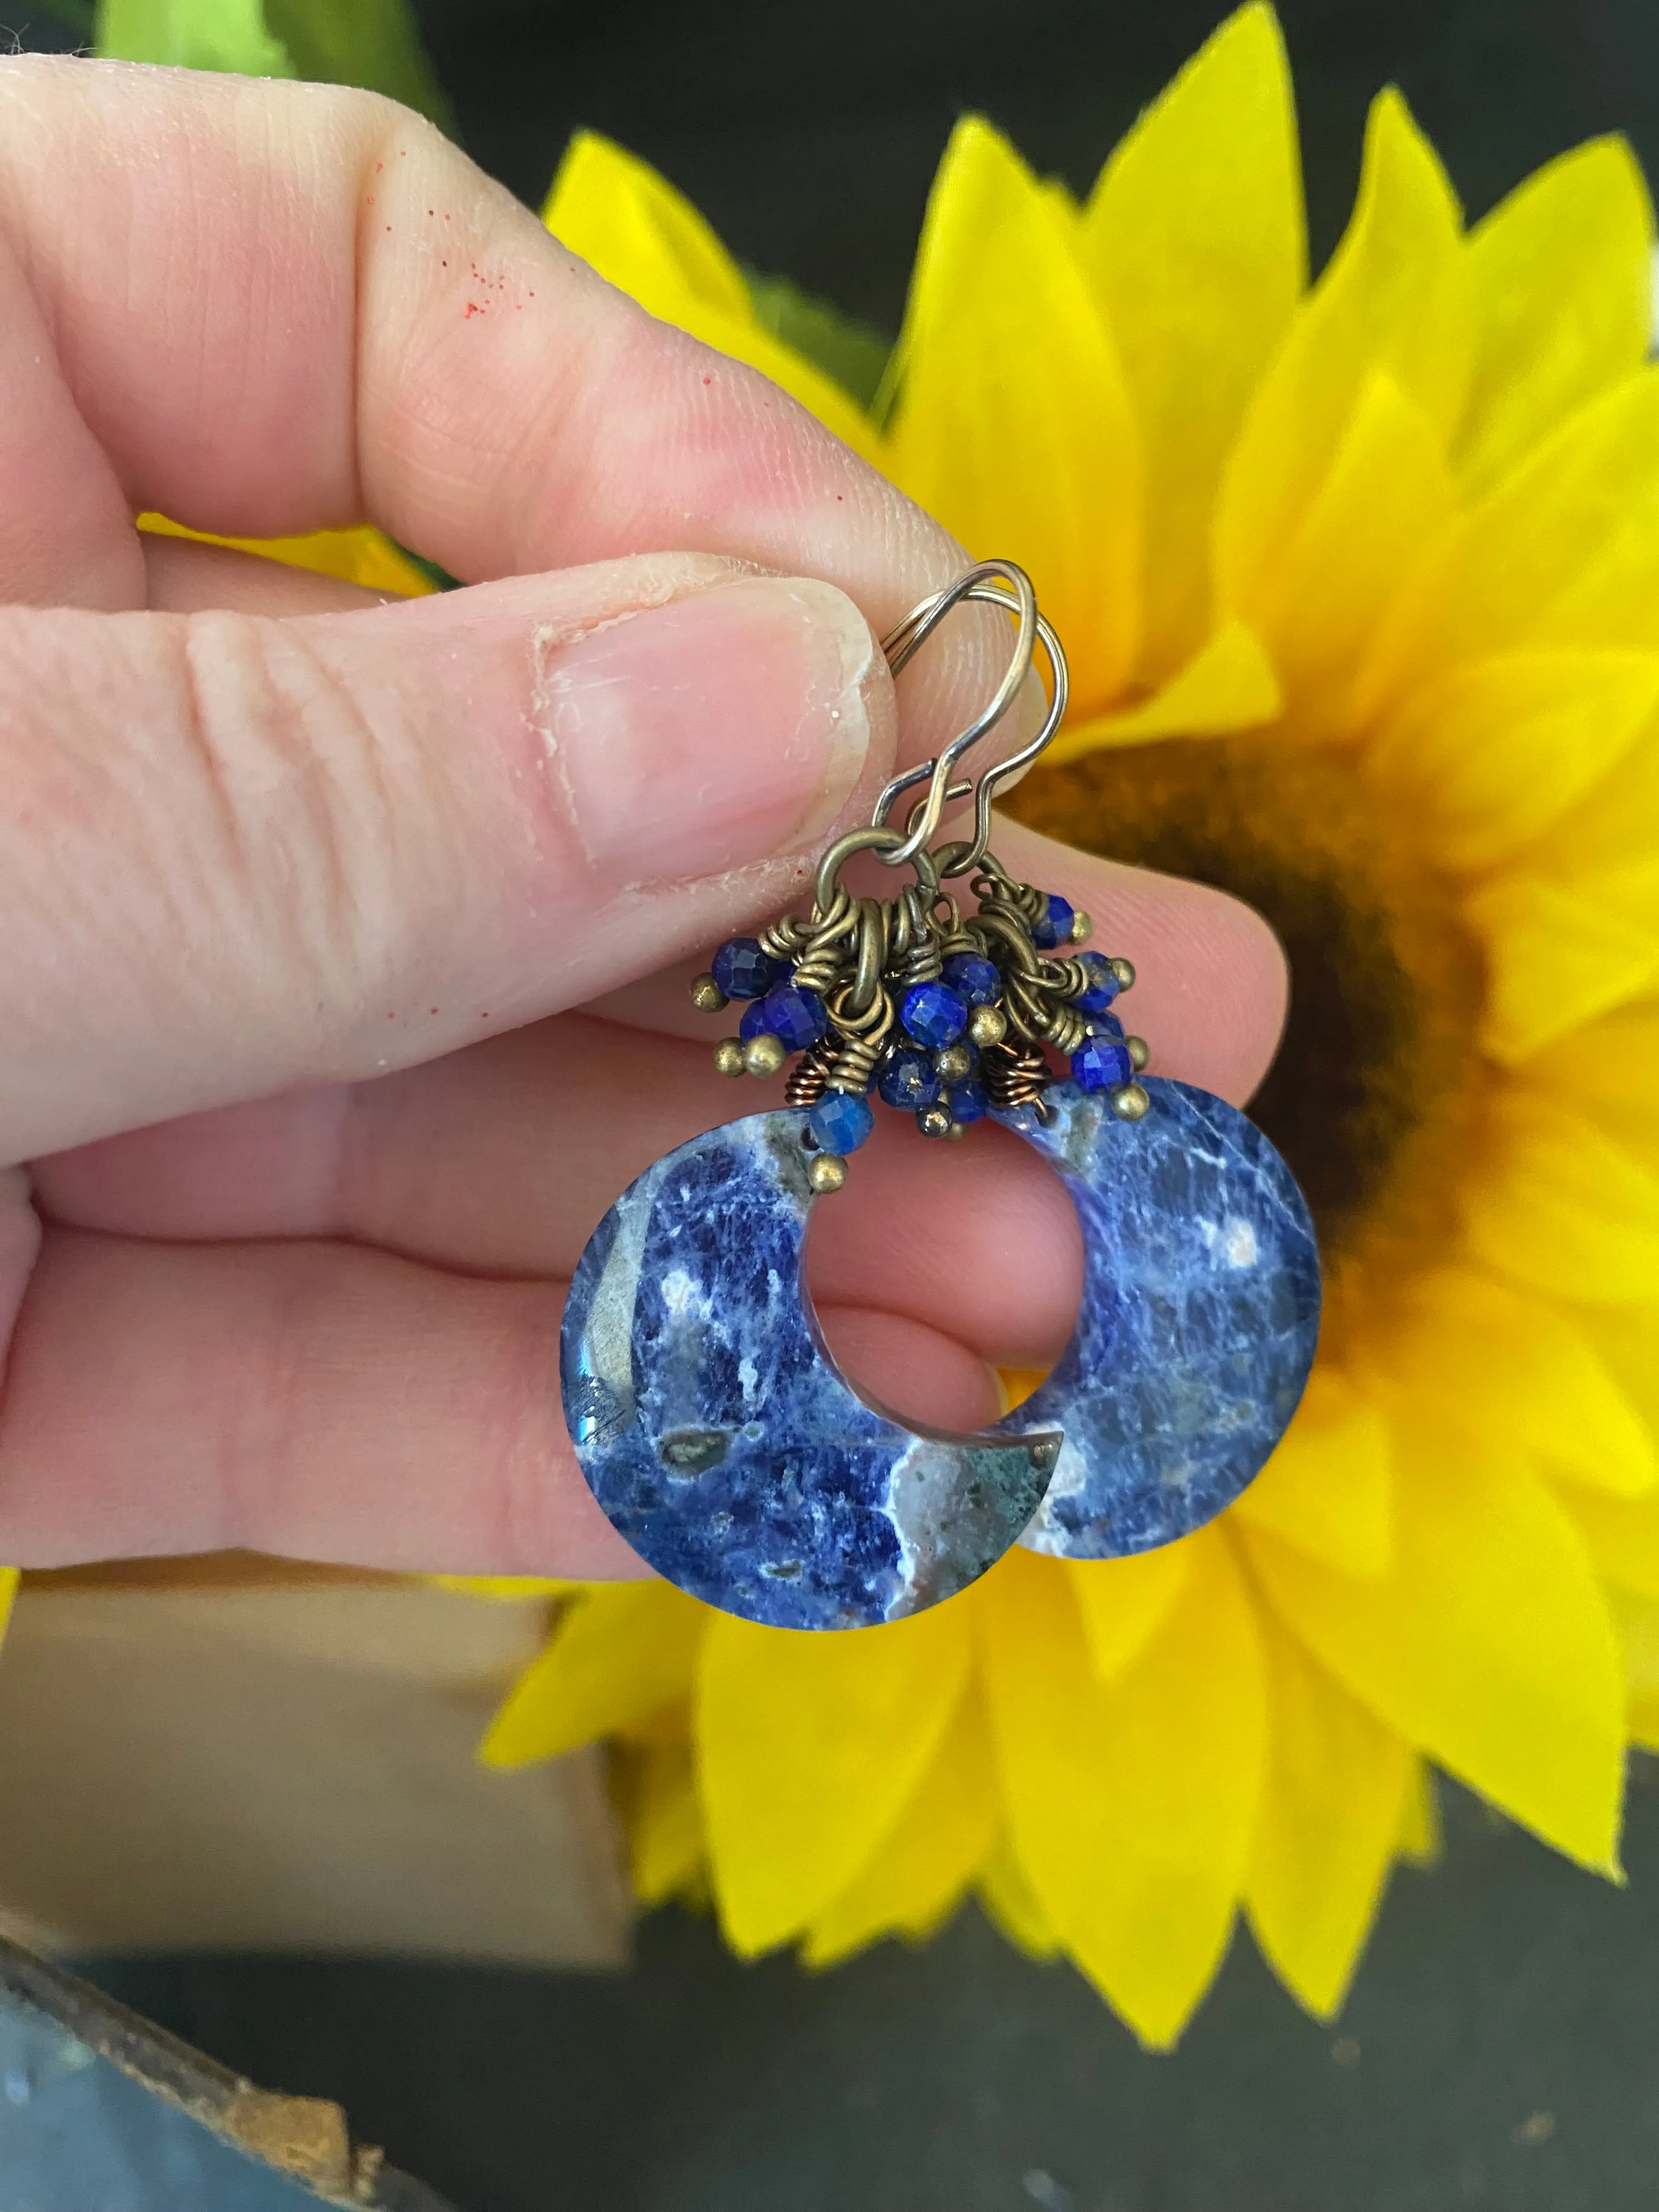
pixel 1015 596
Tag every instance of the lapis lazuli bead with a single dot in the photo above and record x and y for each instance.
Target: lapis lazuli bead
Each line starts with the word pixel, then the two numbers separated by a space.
pixel 1099 1065
pixel 753 1023
pixel 1106 1025
pixel 969 1103
pixel 908 1079
pixel 743 970
pixel 975 977
pixel 795 1016
pixel 1102 985
pixel 840 1122
pixel 934 1014
pixel 1056 927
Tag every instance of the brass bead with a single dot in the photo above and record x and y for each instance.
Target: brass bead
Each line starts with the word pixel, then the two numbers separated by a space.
pixel 934 1121
pixel 728 1056
pixel 764 1054
pixel 988 1026
pixel 1081 926
pixel 1139 1051
pixel 1124 970
pixel 1130 1103
pixel 954 1063
pixel 826 1171
pixel 707 995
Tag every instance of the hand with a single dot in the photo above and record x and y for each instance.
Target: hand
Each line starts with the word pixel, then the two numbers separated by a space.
pixel 345 944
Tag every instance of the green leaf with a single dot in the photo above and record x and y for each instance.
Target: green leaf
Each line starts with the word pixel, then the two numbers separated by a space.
pixel 854 354
pixel 372 42
pixel 205 34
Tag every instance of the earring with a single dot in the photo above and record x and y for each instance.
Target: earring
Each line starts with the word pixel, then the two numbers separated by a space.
pixel 708 1417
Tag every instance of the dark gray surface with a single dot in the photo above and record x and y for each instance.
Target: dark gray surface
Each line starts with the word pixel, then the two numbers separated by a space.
pixel 1501 2048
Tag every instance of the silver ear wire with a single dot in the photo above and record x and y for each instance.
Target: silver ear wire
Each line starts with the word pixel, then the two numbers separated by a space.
pixel 1015 596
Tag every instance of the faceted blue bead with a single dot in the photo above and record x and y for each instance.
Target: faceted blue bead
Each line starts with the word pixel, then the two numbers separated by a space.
pixel 969 1103
pixel 840 1121
pixel 753 1023
pixel 795 1016
pixel 975 978
pixel 1106 1025
pixel 1099 1065
pixel 907 1078
pixel 1056 927
pixel 1102 985
pixel 934 1014
pixel 741 969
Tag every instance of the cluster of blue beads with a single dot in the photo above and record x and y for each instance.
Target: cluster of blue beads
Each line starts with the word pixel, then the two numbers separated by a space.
pixel 931 1015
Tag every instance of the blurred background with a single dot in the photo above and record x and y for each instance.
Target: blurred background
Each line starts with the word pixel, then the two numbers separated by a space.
pixel 1501 2046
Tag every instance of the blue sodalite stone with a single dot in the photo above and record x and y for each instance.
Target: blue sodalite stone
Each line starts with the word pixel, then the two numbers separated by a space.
pixel 1054 926
pixel 1099 1065
pixel 840 1122
pixel 743 970
pixel 934 1014
pixel 908 1079
pixel 796 1018
pixel 718 1434
pixel 1103 986
pixel 1198 1323
pixel 969 1103
pixel 974 977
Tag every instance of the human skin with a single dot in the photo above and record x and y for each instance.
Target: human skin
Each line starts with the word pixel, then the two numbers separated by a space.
pixel 345 943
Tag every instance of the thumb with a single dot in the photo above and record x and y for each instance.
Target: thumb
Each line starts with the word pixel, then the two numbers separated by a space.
pixel 239 853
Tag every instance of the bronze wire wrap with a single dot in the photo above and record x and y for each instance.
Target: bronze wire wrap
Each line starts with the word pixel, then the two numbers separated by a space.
pixel 859 954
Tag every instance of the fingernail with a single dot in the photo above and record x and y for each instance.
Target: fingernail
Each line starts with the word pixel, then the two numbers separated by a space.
pixel 718 730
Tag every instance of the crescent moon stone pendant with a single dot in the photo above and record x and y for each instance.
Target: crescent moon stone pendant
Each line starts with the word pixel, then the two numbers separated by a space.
pixel 718 1433
pixel 1199 1320
pixel 713 1424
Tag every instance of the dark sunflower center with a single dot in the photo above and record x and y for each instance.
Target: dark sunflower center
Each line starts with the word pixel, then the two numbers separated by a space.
pixel 1370 1096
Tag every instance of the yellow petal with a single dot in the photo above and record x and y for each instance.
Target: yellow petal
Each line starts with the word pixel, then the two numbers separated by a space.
pixel 1563 551
pixel 507 1589
pixel 1562 275
pixel 1123 1603
pixel 810 1745
pixel 1327 1487
pixel 1419 1838
pixel 1554 961
pixel 1131 1803
pixel 639 232
pixel 920 1869
pixel 1521 1372
pixel 1194 240
pixel 364 556
pixel 1627 1339
pixel 1487 1643
pixel 1394 299
pixel 1637 1622
pixel 666 1845
pixel 1009 1900
pixel 1013 424
pixel 1329 1822
pixel 1616 1079
pixel 1385 492
pixel 1555 1204
pixel 1494 754
pixel 1612 828
pixel 621 1651
pixel 1622 1534
pixel 1228 684
pixel 641 235
pixel 9 1579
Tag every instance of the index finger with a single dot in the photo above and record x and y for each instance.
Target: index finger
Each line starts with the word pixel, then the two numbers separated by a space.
pixel 282 307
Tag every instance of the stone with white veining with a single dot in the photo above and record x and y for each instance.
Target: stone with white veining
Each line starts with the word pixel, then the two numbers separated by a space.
pixel 720 1439
pixel 1197 1323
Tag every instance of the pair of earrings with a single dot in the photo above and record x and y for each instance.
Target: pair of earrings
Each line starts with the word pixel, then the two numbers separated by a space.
pixel 708 1417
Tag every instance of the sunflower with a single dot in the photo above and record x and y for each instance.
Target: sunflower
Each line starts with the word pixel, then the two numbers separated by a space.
pixel 1361 584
